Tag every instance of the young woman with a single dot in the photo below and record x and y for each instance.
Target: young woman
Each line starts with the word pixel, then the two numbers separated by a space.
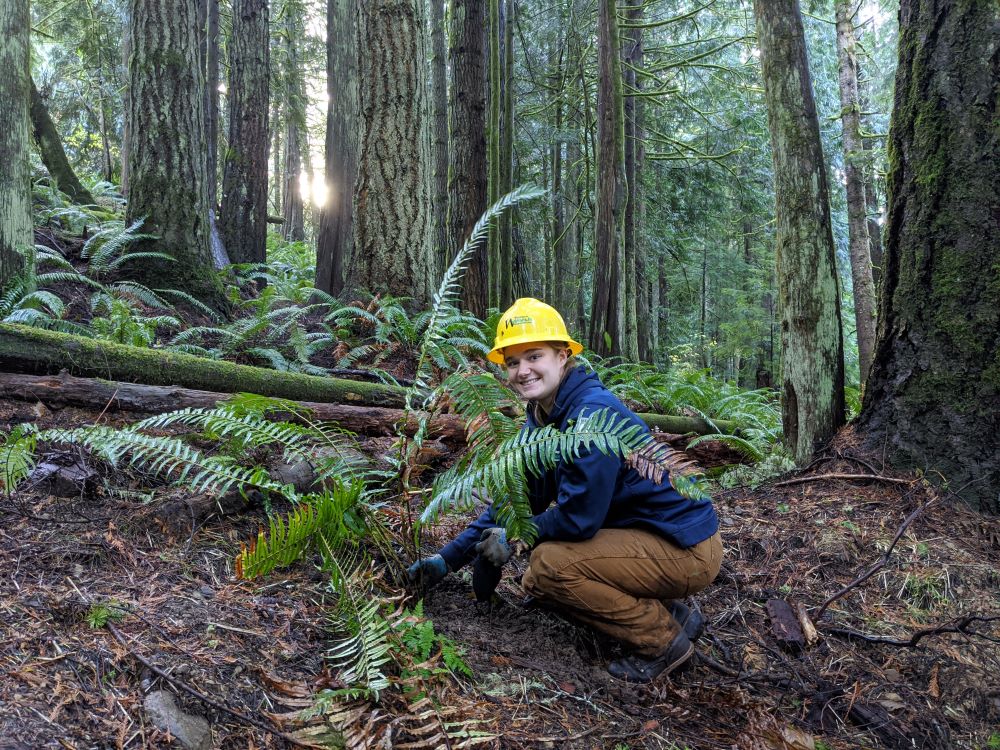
pixel 614 549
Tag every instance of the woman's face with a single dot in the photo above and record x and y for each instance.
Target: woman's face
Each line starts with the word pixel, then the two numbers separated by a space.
pixel 535 370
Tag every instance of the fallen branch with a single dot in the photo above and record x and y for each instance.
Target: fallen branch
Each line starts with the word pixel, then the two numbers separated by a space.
pixel 851 477
pixel 961 625
pixel 877 566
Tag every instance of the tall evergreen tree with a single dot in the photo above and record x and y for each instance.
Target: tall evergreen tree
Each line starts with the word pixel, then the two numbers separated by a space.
pixel 933 396
pixel 812 386
pixel 292 209
pixel 168 175
pixel 467 171
pixel 439 128
pixel 607 318
pixel 335 240
pixel 15 185
pixel 392 245
pixel 243 218
pixel 857 220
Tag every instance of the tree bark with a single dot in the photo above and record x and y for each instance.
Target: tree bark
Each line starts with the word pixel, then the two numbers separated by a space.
pixel 37 351
pixel 16 239
pixel 168 176
pixel 50 148
pixel 933 398
pixel 243 219
pixel 68 390
pixel 439 117
pixel 293 211
pixel 335 240
pixel 857 220
pixel 392 215
pixel 467 176
pixel 809 294
pixel 507 252
pixel 607 318
pixel 212 100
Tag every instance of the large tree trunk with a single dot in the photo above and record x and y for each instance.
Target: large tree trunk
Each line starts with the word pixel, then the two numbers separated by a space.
pixel 295 128
pixel 857 220
pixel 243 218
pixel 933 397
pixel 467 176
pixel 392 214
pixel 637 300
pixel 607 318
pixel 50 148
pixel 168 176
pixel 809 294
pixel 33 350
pixel 15 175
pixel 336 228
pixel 212 99
pixel 508 253
pixel 439 118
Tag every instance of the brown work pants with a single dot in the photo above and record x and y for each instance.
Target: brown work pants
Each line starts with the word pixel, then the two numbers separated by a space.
pixel 616 580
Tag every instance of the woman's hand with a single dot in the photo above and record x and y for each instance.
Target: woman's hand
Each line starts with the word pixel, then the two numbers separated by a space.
pixel 428 571
pixel 493 546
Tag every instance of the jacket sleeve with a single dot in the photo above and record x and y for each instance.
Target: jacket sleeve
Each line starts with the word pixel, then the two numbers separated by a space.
pixel 586 487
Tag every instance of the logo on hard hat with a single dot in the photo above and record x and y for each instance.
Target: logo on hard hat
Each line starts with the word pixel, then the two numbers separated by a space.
pixel 520 320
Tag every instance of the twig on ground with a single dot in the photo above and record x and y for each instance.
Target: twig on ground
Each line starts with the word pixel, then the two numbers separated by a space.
pixel 855 477
pixel 961 625
pixel 877 566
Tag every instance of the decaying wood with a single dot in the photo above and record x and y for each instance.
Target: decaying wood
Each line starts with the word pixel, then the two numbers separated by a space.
pixel 785 625
pixel 66 389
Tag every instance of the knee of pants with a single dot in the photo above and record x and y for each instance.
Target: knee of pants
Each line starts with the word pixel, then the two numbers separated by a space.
pixel 546 571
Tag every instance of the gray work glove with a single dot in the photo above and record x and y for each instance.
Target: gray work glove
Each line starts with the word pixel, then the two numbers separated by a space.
pixel 427 571
pixel 493 546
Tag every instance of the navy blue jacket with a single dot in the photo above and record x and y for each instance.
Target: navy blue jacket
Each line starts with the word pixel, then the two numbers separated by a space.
pixel 596 491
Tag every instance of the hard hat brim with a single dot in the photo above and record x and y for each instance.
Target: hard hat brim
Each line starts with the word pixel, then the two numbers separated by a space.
pixel 496 355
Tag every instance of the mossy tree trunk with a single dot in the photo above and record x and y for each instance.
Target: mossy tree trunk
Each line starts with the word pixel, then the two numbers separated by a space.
pixel 933 397
pixel 243 217
pixel 607 317
pixel 467 171
pixel 168 175
pixel 439 129
pixel 857 220
pixel 15 176
pixel 336 227
pixel 212 97
pixel 392 215
pixel 50 148
pixel 809 295
pixel 636 286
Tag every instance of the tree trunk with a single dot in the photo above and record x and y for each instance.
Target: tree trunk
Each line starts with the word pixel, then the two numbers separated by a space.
pixel 168 176
pixel 292 208
pixel 857 220
pixel 439 118
pixel 37 351
pixel 212 100
pixel 933 397
pixel 50 148
pixel 637 302
pixel 16 238
pixel 336 228
pixel 493 192
pixel 467 183
pixel 392 215
pixel 506 295
pixel 809 294
pixel 607 318
pixel 243 219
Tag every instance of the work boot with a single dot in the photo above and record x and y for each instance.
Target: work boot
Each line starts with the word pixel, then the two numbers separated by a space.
pixel 689 619
pixel 642 669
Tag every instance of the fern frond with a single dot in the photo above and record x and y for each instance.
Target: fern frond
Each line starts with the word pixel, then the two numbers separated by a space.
pixel 17 456
pixel 744 447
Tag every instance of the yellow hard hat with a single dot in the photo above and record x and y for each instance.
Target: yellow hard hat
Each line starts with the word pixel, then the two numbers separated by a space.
pixel 526 321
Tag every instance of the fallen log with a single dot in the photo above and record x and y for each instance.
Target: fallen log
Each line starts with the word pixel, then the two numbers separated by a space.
pixel 68 390
pixel 40 352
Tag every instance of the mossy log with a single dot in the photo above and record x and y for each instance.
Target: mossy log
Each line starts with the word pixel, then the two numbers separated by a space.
pixel 36 351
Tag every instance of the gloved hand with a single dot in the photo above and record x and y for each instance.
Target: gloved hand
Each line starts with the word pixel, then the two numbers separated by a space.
pixel 485 579
pixel 427 571
pixel 493 546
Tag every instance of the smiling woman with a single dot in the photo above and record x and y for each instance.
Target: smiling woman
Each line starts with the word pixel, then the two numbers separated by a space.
pixel 613 548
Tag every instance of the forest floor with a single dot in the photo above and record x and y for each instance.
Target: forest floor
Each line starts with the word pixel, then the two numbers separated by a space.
pixel 539 681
